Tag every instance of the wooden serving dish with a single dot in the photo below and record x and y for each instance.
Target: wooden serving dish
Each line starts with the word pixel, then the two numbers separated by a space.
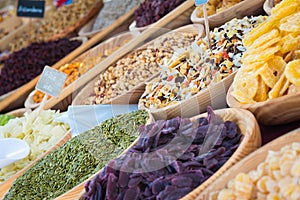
pixel 244 8
pixel 16 97
pixel 281 110
pixel 132 96
pixel 120 25
pixel 5 186
pixel 251 141
pixel 108 45
pixel 93 11
pixel 250 162
pixel 78 191
pixel 268 5
pixel 214 95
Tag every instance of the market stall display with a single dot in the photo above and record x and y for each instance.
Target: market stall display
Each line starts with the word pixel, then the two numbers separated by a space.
pixel 42 134
pixel 270 68
pixel 267 173
pixel 58 23
pixel 80 66
pixel 126 78
pixel 78 159
pixel 188 76
pixel 32 60
pixel 221 11
pixel 179 168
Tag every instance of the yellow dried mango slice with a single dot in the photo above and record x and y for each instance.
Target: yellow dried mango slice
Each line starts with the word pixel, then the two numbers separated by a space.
pixel 289 43
pixel 277 65
pixel 274 92
pixel 262 91
pixel 267 75
pixel 245 87
pixel 261 56
pixel 265 38
pixel 292 72
pixel 290 23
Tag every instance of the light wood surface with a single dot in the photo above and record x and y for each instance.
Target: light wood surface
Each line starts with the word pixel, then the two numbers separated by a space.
pixel 132 96
pixel 268 5
pixel 214 95
pixel 91 74
pixel 244 8
pixel 78 191
pixel 251 141
pixel 250 162
pixel 281 110
pixel 5 186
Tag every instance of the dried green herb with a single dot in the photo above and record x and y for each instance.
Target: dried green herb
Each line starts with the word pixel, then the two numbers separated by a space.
pixel 78 159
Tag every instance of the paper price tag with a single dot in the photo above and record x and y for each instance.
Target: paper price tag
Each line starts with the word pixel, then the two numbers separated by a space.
pixel 200 2
pixel 31 8
pixel 51 81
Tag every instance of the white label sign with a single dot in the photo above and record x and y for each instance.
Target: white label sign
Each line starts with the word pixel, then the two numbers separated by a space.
pixel 51 81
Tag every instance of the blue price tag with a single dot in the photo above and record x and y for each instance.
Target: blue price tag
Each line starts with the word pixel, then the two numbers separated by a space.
pixel 200 2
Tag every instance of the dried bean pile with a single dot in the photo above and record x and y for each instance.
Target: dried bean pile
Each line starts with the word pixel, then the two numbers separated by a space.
pixel 112 10
pixel 24 65
pixel 78 159
pixel 137 67
pixel 151 11
pixel 165 163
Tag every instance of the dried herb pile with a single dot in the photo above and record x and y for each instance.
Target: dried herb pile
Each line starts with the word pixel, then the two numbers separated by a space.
pixel 166 162
pixel 78 159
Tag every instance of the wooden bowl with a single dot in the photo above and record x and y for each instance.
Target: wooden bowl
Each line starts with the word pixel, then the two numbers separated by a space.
pixel 132 96
pixel 213 95
pixel 281 110
pixel 93 11
pixel 107 45
pixel 250 162
pixel 5 186
pixel 251 141
pixel 78 191
pixel 268 5
pixel 121 24
pixel 239 10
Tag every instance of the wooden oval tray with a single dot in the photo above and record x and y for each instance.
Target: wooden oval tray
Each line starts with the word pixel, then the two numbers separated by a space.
pixel 107 45
pixel 16 97
pixel 281 110
pixel 77 191
pixel 244 8
pixel 250 162
pixel 132 96
pixel 252 140
pixel 214 95
pixel 5 186
pixel 93 11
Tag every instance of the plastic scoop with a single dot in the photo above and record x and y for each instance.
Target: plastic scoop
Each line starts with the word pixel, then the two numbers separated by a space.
pixel 12 150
